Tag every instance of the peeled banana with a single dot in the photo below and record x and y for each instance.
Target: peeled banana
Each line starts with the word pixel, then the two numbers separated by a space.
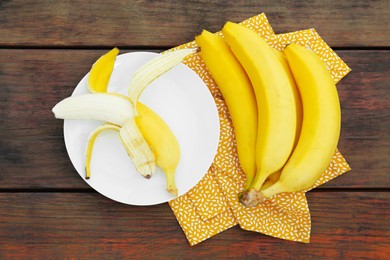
pixel 238 93
pixel 320 127
pixel 275 101
pixel 115 109
pixel 118 110
pixel 119 113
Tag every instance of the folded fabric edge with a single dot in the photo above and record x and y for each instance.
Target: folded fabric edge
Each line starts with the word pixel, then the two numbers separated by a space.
pixel 305 240
pixel 212 226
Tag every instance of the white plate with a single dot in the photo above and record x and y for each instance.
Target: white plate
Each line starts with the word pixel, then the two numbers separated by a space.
pixel 182 99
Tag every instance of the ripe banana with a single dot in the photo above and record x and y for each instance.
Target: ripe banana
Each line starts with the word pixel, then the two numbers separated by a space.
pixel 298 104
pixel 153 69
pixel 163 143
pixel 118 110
pixel 275 101
pixel 321 123
pixel 101 72
pixel 115 109
pixel 238 93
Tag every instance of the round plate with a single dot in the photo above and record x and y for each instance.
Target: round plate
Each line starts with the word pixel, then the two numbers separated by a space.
pixel 183 101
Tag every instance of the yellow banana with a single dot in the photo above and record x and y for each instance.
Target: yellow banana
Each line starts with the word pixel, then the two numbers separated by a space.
pixel 118 110
pixel 163 143
pixel 275 102
pixel 114 109
pixel 321 123
pixel 298 104
pixel 238 93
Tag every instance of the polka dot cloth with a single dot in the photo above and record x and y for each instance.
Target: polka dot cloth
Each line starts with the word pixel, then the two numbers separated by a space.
pixel 212 206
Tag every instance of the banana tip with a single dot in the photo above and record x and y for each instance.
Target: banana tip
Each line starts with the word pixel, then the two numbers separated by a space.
pixel 173 191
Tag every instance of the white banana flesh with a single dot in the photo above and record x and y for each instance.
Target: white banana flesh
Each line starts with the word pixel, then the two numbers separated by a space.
pixel 111 108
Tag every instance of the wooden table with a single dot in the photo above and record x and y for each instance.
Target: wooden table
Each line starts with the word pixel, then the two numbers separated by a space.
pixel 46 209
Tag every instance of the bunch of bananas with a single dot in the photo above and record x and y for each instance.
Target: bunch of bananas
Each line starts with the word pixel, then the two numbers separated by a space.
pixel 147 139
pixel 284 107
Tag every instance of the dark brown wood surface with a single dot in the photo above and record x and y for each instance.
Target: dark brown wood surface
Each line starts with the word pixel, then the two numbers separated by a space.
pixel 84 225
pixel 168 23
pixel 46 209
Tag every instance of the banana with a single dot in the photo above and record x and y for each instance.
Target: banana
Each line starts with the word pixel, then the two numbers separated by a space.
pixel 298 104
pixel 118 110
pixel 275 101
pixel 297 96
pixel 153 69
pixel 115 109
pixel 91 142
pixel 101 72
pixel 321 123
pixel 162 141
pixel 120 114
pixel 238 93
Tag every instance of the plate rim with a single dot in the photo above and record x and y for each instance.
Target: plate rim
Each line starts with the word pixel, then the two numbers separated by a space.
pixel 215 149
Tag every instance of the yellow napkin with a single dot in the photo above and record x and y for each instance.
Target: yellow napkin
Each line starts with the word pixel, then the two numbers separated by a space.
pixel 212 205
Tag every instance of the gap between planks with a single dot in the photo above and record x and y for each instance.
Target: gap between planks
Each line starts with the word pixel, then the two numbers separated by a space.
pixel 99 47
pixel 87 190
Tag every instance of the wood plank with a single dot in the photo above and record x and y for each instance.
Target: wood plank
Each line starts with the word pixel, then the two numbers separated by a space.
pixel 32 151
pixel 365 135
pixel 86 225
pixel 169 23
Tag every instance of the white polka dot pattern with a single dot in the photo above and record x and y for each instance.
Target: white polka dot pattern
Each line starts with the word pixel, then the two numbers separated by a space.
pixel 212 206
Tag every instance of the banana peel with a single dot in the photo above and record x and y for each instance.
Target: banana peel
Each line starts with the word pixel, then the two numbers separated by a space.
pixel 101 71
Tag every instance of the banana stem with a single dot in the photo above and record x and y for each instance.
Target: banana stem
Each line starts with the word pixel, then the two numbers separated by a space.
pixel 252 198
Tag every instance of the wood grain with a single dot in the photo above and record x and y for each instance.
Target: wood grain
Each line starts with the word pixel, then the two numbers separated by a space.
pixel 169 23
pixel 47 211
pixel 32 151
pixel 86 225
